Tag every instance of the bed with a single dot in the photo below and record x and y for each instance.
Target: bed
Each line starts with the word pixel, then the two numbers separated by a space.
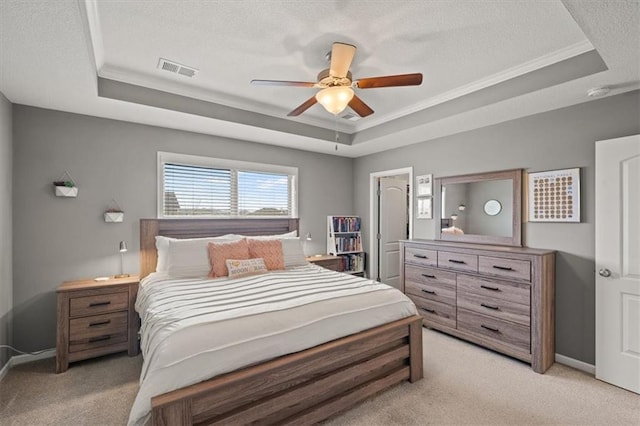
pixel 301 386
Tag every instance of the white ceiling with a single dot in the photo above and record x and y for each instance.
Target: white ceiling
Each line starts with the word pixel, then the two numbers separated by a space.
pixel 483 63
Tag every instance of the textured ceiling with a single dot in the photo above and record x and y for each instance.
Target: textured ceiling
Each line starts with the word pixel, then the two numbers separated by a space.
pixel 483 62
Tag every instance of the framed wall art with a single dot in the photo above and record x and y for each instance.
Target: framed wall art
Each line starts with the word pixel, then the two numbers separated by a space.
pixel 424 185
pixel 554 196
pixel 425 208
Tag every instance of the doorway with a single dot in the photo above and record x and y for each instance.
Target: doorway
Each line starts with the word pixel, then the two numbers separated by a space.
pixel 391 212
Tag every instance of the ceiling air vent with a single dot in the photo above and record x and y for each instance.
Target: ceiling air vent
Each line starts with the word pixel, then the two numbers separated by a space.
pixel 351 117
pixel 176 68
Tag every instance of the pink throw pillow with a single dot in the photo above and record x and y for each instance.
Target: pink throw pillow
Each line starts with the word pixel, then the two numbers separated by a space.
pixel 220 252
pixel 270 251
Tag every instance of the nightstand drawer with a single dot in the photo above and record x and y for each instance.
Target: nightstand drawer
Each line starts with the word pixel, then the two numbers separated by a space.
pixel 106 339
pixel 98 304
pixel 81 329
pixel 332 264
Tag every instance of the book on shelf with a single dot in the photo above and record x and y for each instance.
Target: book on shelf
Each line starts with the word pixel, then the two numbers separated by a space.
pixel 346 224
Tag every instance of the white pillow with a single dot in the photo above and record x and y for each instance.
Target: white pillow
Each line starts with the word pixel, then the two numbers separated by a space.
pixel 292 234
pixel 291 247
pixel 293 253
pixel 245 267
pixel 162 247
pixel 187 257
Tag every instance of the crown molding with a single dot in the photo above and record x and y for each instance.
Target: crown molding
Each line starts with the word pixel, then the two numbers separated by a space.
pixel 519 70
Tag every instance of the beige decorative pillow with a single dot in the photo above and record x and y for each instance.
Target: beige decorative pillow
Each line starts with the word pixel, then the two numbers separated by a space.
pixel 270 251
pixel 220 252
pixel 243 267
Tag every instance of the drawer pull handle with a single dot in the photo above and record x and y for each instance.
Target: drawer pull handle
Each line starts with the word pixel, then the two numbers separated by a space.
pixel 503 268
pixel 461 262
pixel 495 308
pixel 420 256
pixel 99 339
pixel 495 330
pixel 431 311
pixel 429 291
pixel 428 276
pixel 97 323
pixel 490 288
pixel 94 304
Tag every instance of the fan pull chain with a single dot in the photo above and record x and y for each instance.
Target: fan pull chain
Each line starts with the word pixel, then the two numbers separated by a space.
pixel 335 126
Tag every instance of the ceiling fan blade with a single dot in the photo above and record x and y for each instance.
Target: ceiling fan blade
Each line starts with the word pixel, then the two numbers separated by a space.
pixel 360 107
pixel 341 56
pixel 389 81
pixel 282 83
pixel 303 107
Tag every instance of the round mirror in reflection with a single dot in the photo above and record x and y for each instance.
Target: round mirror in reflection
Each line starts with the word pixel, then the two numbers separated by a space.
pixel 492 207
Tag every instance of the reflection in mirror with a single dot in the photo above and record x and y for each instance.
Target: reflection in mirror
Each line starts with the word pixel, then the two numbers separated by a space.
pixel 473 195
pixel 481 208
pixel 492 207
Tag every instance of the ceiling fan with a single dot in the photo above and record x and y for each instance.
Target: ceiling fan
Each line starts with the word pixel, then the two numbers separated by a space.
pixel 337 84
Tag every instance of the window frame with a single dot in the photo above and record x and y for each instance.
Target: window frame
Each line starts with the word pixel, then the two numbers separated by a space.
pixel 222 163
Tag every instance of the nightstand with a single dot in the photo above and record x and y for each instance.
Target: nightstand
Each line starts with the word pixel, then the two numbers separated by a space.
pixel 327 261
pixel 96 318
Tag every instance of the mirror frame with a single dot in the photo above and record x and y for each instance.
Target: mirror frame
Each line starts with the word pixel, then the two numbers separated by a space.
pixel 516 220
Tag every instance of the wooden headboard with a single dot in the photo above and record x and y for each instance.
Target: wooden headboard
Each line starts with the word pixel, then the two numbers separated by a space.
pixel 198 228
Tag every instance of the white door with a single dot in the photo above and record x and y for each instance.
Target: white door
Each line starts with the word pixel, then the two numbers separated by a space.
pixel 393 227
pixel 618 262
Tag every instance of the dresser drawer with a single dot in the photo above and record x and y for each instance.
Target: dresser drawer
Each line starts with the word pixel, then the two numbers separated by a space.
pixel 507 268
pixel 495 289
pixel 98 304
pixel 430 283
pixel 437 312
pixel 515 335
pixel 420 256
pixel 81 329
pixel 496 308
pixel 458 261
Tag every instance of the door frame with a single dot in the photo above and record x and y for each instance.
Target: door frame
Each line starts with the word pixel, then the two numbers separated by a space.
pixel 372 264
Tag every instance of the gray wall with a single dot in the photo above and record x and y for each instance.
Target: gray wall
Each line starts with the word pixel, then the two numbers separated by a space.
pixel 558 139
pixel 6 199
pixel 58 239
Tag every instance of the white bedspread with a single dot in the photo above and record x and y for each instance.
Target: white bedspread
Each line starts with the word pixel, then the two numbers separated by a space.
pixel 194 329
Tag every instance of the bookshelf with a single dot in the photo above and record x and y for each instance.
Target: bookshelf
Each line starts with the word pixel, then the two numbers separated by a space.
pixel 345 240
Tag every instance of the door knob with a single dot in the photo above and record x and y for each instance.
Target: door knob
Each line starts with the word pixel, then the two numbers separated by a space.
pixel 604 272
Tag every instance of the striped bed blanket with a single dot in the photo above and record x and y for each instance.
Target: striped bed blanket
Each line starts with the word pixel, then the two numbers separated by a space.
pixel 192 324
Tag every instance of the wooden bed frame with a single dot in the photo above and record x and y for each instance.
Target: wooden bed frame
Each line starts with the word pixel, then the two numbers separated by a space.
pixel 302 388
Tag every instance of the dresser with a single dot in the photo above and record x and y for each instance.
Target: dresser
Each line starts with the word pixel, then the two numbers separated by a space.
pixel 496 296
pixel 96 318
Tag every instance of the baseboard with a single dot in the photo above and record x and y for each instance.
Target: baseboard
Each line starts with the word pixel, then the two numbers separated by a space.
pixel 22 359
pixel 574 363
pixel 5 369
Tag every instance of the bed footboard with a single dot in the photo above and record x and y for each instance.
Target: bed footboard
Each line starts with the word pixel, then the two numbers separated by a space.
pixel 305 387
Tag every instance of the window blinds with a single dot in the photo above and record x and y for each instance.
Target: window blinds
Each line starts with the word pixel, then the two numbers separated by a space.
pixel 208 191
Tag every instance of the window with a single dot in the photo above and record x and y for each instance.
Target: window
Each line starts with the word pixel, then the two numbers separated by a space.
pixel 194 186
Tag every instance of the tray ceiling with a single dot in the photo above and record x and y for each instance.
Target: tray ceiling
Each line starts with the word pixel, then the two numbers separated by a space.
pixel 483 62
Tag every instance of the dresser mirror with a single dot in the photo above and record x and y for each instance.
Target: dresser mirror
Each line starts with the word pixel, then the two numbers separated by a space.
pixel 482 208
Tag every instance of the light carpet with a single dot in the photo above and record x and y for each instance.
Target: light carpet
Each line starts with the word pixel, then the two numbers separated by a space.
pixel 463 384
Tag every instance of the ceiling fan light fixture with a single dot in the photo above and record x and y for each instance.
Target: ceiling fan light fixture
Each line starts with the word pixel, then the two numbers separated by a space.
pixel 335 99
